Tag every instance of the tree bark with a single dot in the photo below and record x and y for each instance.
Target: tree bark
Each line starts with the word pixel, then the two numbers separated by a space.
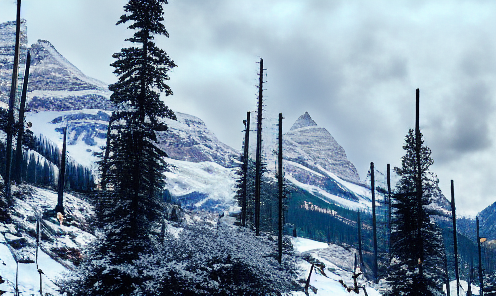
pixel 245 169
pixel 280 183
pixel 455 244
pixel 374 221
pixel 13 89
pixel 20 135
pixel 258 160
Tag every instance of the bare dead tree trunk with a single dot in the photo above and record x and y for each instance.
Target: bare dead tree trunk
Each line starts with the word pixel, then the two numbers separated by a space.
pixel 245 169
pixel 13 89
pixel 60 200
pixel 280 184
pixel 455 244
pixel 420 242
pixel 481 278
pixel 20 135
pixel 258 170
pixel 374 221
pixel 389 208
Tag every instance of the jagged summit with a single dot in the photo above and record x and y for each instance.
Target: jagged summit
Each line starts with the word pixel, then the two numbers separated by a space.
pixel 46 59
pixel 54 83
pixel 316 149
pixel 303 121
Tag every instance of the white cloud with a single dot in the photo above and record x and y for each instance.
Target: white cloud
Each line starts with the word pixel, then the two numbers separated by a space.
pixel 354 66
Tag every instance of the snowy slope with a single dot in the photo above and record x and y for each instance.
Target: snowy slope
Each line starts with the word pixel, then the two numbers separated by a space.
pixel 60 245
pixel 189 139
pixel 87 131
pixel 54 83
pixel 202 185
pixel 202 176
pixel 28 276
pixel 338 266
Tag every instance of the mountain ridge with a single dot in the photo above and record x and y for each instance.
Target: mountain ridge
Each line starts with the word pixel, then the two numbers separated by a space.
pixel 313 146
pixel 304 120
pixel 55 84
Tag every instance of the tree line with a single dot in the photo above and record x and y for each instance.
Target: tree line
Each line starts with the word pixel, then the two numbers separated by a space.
pixel 39 167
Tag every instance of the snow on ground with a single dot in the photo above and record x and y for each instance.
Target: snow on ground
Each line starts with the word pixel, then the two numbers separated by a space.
pixel 28 276
pixel 349 204
pixel 304 244
pixel 208 178
pixel 81 152
pixel 60 244
pixel 338 266
pixel 338 260
pixel 463 288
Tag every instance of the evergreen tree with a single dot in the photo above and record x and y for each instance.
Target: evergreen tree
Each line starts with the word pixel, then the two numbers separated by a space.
pixel 131 202
pixel 408 274
pixel 268 197
pixel 31 172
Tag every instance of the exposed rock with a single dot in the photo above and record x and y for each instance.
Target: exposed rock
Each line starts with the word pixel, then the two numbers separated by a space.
pixel 189 139
pixel 315 148
pixel 54 83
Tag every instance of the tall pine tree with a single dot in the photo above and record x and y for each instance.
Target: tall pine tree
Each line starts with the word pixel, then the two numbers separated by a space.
pixel 408 274
pixel 131 204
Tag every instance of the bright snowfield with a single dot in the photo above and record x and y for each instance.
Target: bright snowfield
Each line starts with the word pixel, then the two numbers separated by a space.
pixel 29 278
pixel 81 152
pixel 209 178
pixel 338 266
pixel 73 234
pixel 463 288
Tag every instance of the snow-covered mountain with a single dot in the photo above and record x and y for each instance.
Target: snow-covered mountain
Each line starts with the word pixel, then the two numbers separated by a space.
pixel 315 162
pixel 189 139
pixel 54 83
pixel 7 49
pixel 61 95
pixel 314 147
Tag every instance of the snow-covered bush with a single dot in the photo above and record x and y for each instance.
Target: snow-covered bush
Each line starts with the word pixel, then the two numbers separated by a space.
pixel 221 260
pixel 199 259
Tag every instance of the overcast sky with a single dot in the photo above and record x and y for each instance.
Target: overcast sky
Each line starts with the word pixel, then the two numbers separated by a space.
pixel 353 65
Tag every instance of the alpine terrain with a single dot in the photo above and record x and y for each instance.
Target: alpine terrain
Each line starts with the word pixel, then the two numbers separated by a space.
pixel 201 242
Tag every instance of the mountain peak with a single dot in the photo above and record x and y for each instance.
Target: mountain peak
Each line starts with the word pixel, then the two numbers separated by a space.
pixel 303 121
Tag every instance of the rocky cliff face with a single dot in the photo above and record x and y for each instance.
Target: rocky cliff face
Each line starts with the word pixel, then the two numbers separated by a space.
pixel 189 139
pixel 314 147
pixel 488 223
pixel 7 49
pixel 316 162
pixel 54 83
